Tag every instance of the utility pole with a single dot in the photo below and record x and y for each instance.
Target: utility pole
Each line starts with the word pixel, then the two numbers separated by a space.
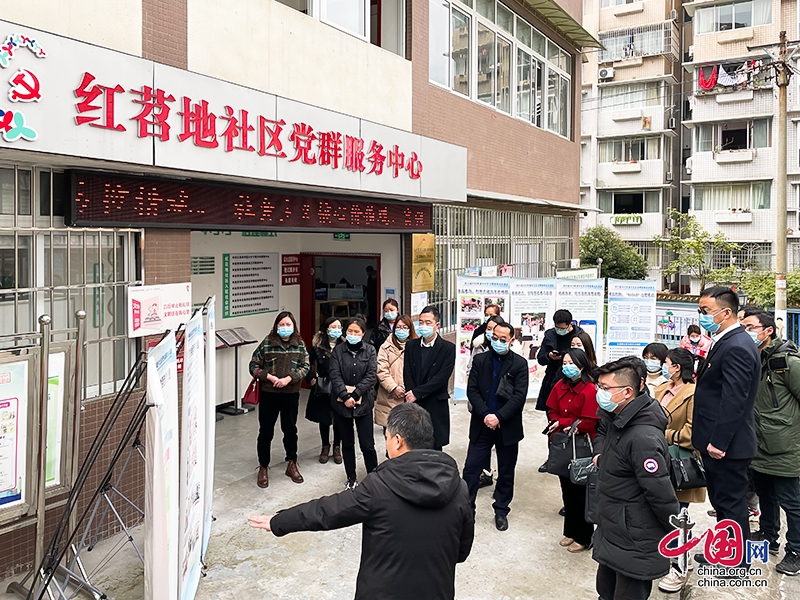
pixel 783 70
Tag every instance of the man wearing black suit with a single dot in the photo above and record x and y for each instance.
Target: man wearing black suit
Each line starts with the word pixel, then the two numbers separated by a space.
pixel 496 390
pixel 723 422
pixel 429 363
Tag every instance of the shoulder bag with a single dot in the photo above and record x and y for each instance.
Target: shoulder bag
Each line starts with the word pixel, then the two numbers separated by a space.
pixel 323 386
pixel 581 467
pixel 566 447
pixel 251 394
pixel 686 469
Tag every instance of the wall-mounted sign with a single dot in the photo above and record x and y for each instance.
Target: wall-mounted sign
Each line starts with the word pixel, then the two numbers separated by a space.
pixel 423 250
pixel 69 97
pixel 152 309
pixel 249 284
pixel 626 220
pixel 103 200
pixel 341 237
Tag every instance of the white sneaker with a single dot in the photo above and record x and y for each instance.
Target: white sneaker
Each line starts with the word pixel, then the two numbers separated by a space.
pixel 689 563
pixel 673 582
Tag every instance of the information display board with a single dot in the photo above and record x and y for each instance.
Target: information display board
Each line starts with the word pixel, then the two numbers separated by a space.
pixel 631 317
pixel 249 284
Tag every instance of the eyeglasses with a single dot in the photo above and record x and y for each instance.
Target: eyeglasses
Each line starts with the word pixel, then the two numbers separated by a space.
pixel 610 387
pixel 702 311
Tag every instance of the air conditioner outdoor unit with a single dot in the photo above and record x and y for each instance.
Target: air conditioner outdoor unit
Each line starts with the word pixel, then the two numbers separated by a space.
pixel 670 223
pixel 669 176
pixel 606 73
pixel 673 15
pixel 672 123
pixel 691 52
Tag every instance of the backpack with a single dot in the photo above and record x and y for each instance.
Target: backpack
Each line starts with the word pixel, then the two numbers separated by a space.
pixel 779 365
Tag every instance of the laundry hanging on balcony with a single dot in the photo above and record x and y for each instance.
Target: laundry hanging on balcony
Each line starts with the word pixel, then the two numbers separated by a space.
pixel 710 83
pixel 724 78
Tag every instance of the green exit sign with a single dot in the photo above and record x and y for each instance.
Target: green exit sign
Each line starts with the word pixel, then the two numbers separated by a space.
pixel 342 237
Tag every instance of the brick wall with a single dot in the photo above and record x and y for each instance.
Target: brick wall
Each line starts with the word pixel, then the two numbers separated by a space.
pixel 164 32
pixel 505 155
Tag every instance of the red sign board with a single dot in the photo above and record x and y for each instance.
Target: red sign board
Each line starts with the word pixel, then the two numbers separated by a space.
pixel 290 259
pixel 290 280
pixel 102 200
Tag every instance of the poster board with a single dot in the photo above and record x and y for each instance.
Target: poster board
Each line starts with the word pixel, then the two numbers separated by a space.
pixel 533 302
pixel 585 299
pixel 249 284
pixel 17 378
pixel 153 309
pixel 631 317
pixel 474 293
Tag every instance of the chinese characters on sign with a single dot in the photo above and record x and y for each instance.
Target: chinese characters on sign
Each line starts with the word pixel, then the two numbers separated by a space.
pixel 24 87
pixel 233 129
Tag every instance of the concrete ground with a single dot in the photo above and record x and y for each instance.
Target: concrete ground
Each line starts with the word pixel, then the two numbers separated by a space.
pixel 521 563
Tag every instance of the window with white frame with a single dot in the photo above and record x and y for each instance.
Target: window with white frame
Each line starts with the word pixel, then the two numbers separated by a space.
pixel 47 268
pixel 629 202
pixel 733 135
pixel 484 51
pixel 645 40
pixel 630 149
pixel 753 195
pixel 608 3
pixel 631 95
pixel 736 15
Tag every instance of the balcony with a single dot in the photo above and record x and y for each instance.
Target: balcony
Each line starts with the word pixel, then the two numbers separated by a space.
pixel 631 174
pixel 732 104
pixel 655 39
pixel 729 157
pixel 733 216
pixel 630 121
pixel 634 226
pixel 757 225
pixel 727 165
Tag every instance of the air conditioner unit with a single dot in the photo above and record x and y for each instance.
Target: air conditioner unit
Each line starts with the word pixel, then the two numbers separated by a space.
pixel 669 176
pixel 606 73
pixel 670 223
pixel 691 52
pixel 673 15
pixel 672 123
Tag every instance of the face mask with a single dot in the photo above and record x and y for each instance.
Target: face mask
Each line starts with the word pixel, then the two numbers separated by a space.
pixel 571 371
pixel 562 331
pixel 707 323
pixel 694 340
pixel 604 401
pixel 754 335
pixel 390 316
pixel 653 365
pixel 401 334
pixel 354 339
pixel 489 336
pixel 665 371
pixel 334 334
pixel 499 347
pixel 285 332
pixel 425 331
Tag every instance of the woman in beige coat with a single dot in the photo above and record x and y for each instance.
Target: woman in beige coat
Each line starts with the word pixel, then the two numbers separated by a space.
pixel 390 368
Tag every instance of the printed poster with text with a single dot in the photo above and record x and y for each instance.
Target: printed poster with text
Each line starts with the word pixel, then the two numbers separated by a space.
pixel 474 293
pixel 585 299
pixel 532 306
pixel 211 413
pixel 631 317
pixel 13 429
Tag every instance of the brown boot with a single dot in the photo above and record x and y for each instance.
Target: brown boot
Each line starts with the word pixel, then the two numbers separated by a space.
pixel 326 451
pixel 263 477
pixel 337 455
pixel 293 472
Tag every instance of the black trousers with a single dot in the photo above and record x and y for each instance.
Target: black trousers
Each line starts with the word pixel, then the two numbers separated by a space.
pixel 270 407
pixel 478 452
pixel 325 434
pixel 778 493
pixel 575 525
pixel 727 489
pixel 366 441
pixel 612 585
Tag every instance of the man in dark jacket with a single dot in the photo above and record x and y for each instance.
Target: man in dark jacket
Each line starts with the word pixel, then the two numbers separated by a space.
pixel 635 494
pixel 776 467
pixel 723 425
pixel 427 368
pixel 497 388
pixel 555 344
pixel 418 522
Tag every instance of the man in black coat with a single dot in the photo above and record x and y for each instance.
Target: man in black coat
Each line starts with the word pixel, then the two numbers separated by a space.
pixel 723 427
pixel 556 342
pixel 634 492
pixel 427 368
pixel 418 522
pixel 497 388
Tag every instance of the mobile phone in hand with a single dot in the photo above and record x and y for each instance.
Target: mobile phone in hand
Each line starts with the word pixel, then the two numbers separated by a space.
pixel 547 429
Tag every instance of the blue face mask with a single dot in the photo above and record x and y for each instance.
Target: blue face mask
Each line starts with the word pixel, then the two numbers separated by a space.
pixel 499 347
pixel 604 401
pixel 754 336
pixel 665 371
pixel 653 365
pixel 489 336
pixel 707 323
pixel 562 331
pixel 354 339
pixel 334 334
pixel 425 331
pixel 390 316
pixel 285 332
pixel 571 371
pixel 402 334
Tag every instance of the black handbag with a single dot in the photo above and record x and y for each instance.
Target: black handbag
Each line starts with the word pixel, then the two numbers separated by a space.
pixel 566 447
pixel 581 468
pixel 323 386
pixel 686 469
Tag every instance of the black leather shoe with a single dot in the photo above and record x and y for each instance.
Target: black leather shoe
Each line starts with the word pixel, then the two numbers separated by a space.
pixel 485 481
pixel 501 522
pixel 543 468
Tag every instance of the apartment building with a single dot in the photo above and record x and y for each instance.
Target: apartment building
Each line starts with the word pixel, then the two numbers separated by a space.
pixel 630 123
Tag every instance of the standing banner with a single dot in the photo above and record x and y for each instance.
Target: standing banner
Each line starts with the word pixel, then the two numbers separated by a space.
pixel 162 502
pixel 532 306
pixel 56 384
pixel 474 293
pixel 631 317
pixel 211 418
pixel 193 444
pixel 585 299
